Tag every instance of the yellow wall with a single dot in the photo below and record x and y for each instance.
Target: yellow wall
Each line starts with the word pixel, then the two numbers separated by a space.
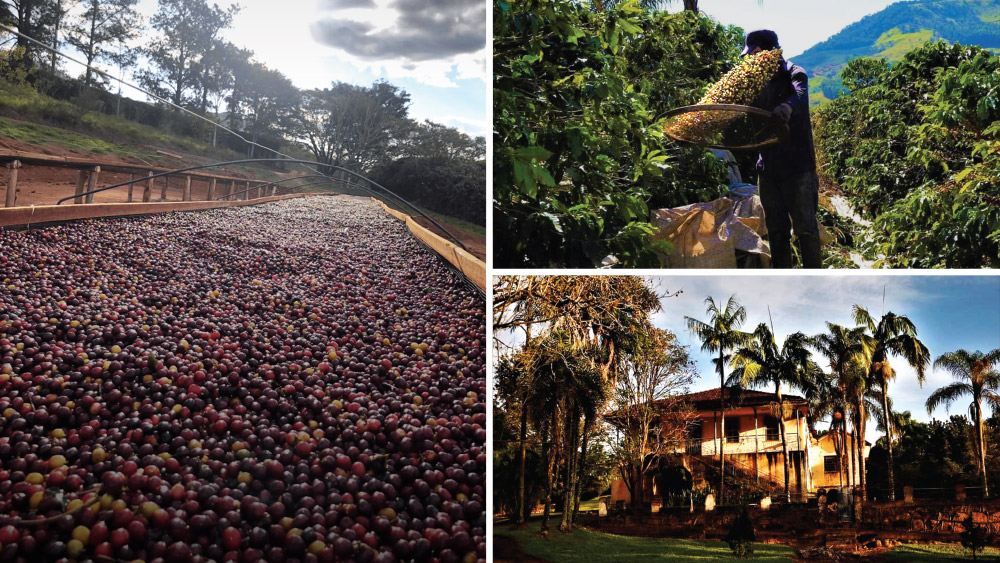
pixel 822 448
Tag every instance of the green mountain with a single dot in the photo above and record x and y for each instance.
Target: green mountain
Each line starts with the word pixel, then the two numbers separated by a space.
pixel 895 31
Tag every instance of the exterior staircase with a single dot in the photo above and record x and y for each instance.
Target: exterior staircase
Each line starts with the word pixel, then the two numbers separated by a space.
pixel 744 474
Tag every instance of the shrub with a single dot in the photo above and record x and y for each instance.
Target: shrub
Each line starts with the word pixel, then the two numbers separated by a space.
pixel 742 535
pixel 579 155
pixel 916 147
pixel 975 538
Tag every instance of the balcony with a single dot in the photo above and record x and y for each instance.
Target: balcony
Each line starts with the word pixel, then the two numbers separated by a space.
pixel 745 445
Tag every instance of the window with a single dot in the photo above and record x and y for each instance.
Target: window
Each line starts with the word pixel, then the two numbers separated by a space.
pixel 694 430
pixel 732 430
pixel 830 463
pixel 771 428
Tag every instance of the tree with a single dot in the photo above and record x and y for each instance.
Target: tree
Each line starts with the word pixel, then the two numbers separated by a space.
pixel 842 346
pixel 649 417
pixel 599 320
pixel 760 362
pixel 429 139
pixel 101 29
pixel 354 127
pixel 719 335
pixel 188 31
pixel 262 101
pixel 36 19
pixel 215 74
pixel 976 377
pixel 892 335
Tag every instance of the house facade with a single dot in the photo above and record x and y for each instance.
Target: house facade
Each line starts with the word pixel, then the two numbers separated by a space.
pixel 750 439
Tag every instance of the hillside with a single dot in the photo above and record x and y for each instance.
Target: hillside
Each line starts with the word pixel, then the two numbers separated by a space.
pixel 896 30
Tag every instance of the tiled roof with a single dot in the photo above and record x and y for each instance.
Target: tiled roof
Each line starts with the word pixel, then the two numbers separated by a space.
pixel 709 399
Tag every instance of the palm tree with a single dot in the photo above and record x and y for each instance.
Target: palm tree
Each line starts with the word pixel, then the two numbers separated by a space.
pixel 892 335
pixel 720 334
pixel 976 376
pixel 760 362
pixel 840 346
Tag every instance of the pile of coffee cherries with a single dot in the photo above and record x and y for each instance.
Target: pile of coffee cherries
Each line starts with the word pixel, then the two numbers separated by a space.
pixel 294 381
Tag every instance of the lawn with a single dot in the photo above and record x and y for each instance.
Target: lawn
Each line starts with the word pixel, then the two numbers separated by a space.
pixel 595 547
pixel 933 553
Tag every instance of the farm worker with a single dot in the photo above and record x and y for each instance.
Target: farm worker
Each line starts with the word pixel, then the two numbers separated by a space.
pixel 789 186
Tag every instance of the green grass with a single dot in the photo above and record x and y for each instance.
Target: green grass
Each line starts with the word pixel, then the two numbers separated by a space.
pixel 37 134
pixel 934 553
pixel 595 547
pixel 895 45
pixel 38 119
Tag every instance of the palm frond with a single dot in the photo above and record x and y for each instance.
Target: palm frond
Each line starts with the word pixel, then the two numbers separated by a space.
pixel 947 395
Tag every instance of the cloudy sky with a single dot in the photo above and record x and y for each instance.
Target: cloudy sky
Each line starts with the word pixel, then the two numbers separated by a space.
pixel 436 50
pixel 950 312
pixel 799 24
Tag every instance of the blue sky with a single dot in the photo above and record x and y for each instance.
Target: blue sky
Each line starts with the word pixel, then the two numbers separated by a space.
pixel 950 312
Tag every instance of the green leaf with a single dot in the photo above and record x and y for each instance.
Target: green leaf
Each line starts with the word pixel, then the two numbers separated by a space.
pixel 532 153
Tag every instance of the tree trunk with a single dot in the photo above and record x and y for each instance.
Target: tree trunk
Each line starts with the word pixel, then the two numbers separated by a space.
pixel 784 439
pixel 722 424
pixel 581 468
pixel 982 448
pixel 55 36
pixel 572 433
pixel 888 439
pixel 691 5
pixel 90 44
pixel 548 451
pixel 522 503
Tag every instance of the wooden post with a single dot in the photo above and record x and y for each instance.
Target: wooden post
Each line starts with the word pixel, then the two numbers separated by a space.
pixel 187 189
pixel 81 180
pixel 246 194
pixel 230 189
pixel 130 186
pixel 274 190
pixel 11 200
pixel 211 190
pixel 147 192
pixel 92 183
pixel 163 192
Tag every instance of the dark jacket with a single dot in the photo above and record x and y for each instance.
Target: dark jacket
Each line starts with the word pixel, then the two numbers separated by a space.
pixel 795 155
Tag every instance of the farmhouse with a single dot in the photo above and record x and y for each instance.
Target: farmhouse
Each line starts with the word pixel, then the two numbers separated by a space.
pixel 750 439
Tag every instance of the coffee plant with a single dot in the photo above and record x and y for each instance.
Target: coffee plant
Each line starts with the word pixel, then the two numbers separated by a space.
pixel 579 155
pixel 916 147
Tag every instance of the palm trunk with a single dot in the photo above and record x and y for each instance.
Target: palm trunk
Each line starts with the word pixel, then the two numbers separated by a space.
pixel 837 446
pixel 859 434
pixel 548 451
pixel 691 5
pixel 888 439
pixel 784 439
pixel 722 429
pixel 843 429
pixel 524 512
pixel 982 448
